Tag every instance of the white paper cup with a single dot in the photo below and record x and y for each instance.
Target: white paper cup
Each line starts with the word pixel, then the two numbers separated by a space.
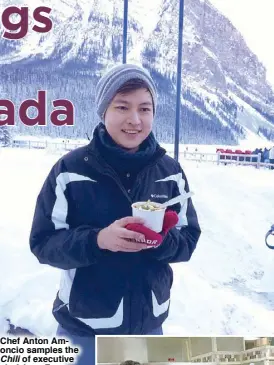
pixel 153 219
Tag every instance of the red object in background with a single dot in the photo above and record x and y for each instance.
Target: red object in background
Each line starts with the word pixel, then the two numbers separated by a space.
pixel 171 359
pixel 238 152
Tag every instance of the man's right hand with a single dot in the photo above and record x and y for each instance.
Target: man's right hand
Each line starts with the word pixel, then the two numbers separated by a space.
pixel 116 237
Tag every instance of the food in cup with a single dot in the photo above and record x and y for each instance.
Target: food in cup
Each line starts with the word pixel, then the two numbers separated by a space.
pixel 152 213
pixel 151 206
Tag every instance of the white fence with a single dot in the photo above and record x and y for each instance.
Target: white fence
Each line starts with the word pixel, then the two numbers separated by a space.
pixel 66 145
pixel 263 354
pixel 218 157
pixel 226 158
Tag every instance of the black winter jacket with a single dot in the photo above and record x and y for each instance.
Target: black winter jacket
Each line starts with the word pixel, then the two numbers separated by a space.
pixel 104 292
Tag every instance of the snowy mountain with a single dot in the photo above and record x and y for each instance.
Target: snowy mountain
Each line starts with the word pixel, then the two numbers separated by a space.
pixel 224 84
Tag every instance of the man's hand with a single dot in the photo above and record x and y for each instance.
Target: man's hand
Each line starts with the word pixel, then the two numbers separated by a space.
pixel 116 237
pixel 152 238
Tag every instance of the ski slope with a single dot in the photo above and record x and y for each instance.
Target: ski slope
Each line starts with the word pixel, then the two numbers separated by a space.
pixel 226 288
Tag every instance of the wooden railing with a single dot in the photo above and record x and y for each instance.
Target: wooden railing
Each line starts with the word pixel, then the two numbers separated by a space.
pixel 217 158
pixel 223 158
pixel 66 146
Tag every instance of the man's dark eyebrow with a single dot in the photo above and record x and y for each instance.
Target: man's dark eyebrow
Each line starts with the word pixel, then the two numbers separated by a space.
pixel 120 101
pixel 126 102
pixel 147 103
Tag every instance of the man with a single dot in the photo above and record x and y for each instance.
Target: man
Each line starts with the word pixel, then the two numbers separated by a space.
pixel 113 282
pixel 271 157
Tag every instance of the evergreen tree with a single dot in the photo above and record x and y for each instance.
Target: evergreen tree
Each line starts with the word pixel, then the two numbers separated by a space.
pixel 5 136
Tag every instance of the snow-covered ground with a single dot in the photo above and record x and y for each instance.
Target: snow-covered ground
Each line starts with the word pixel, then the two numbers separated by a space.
pixel 226 288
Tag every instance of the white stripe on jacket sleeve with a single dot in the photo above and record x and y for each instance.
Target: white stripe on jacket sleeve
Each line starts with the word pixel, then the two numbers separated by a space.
pixel 60 208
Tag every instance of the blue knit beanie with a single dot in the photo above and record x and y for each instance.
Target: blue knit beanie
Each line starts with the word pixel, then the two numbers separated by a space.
pixel 114 78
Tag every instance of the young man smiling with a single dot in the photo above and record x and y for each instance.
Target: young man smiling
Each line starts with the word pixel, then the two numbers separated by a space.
pixel 83 224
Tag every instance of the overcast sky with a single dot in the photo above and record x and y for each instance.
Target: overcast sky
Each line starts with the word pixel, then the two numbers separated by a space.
pixel 254 19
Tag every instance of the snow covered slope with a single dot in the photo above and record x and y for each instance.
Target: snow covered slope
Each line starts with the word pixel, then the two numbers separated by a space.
pixel 220 291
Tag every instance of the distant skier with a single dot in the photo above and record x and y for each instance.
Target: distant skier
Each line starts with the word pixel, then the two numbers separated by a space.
pixel 271 157
pixel 265 157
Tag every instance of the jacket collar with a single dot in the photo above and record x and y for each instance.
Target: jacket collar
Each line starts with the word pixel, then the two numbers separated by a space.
pixel 120 159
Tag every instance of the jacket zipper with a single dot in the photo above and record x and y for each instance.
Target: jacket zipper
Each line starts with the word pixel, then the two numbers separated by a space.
pixel 114 176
